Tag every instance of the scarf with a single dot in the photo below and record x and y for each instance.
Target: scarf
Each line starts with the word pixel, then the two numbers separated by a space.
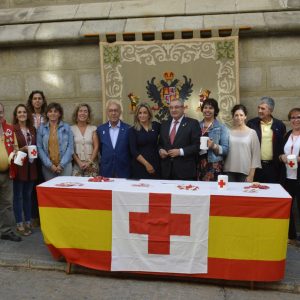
pixel 8 134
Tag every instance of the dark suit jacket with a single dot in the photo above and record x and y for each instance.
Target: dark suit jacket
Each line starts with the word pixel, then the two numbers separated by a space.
pixel 187 138
pixel 114 162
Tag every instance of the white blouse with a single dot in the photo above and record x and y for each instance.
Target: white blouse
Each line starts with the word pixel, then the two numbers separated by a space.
pixel 295 142
pixel 244 152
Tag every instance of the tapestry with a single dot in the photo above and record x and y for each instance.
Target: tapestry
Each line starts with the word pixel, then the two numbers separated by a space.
pixel 159 71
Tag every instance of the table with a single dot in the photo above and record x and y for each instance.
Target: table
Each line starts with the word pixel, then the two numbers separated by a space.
pixel 247 237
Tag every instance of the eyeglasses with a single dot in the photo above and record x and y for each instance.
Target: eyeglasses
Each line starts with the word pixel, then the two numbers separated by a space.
pixel 295 118
pixel 113 110
pixel 175 107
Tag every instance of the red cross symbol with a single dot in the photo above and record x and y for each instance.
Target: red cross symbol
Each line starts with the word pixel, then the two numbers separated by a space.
pixel 221 183
pixel 291 163
pixel 33 152
pixel 159 223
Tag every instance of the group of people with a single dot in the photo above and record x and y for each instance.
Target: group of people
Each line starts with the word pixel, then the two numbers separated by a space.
pixel 249 151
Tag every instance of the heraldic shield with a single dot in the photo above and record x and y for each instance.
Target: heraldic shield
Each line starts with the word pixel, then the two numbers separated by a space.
pixel 167 90
pixel 155 72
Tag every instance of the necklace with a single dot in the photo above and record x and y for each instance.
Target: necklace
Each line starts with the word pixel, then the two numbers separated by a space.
pixel 205 129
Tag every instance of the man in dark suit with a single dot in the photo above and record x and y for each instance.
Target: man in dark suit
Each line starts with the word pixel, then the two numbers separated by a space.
pixel 179 144
pixel 114 143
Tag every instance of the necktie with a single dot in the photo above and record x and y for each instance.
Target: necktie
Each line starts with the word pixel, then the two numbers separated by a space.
pixel 173 132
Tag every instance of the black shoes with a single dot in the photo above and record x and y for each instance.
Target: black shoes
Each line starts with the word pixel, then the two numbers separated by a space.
pixel 11 236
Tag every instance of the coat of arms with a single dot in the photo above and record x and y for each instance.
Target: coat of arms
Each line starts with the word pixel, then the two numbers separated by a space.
pixel 167 90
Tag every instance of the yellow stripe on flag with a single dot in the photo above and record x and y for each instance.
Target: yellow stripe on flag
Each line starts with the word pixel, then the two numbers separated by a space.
pixel 90 230
pixel 247 238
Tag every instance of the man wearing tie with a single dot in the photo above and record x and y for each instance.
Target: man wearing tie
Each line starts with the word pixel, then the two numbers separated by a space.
pixel 114 143
pixel 179 144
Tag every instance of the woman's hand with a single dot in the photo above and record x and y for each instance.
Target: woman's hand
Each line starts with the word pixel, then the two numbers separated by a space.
pixel 83 165
pixel 59 169
pixel 150 169
pixel 24 149
pixel 210 144
pixel 283 158
pixel 249 178
pixel 53 169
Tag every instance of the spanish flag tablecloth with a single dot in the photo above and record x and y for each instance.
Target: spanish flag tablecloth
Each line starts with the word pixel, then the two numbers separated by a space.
pixel 188 229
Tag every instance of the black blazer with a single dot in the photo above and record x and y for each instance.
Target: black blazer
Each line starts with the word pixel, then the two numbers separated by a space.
pixel 187 138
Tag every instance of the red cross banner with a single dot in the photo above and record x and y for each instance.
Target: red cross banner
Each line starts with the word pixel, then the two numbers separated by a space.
pixel 156 232
pixel 182 229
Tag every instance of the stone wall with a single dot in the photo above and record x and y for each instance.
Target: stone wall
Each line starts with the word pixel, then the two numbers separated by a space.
pixel 270 66
pixel 66 73
pixel 70 74
pixel 43 47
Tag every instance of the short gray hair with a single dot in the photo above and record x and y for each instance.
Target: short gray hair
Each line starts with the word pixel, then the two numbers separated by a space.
pixel 269 101
pixel 114 101
pixel 178 99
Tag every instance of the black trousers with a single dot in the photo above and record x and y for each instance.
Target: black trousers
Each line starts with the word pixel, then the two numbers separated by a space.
pixel 293 188
pixel 268 172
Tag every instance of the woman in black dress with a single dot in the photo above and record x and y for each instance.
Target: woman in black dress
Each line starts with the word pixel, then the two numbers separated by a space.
pixel 143 139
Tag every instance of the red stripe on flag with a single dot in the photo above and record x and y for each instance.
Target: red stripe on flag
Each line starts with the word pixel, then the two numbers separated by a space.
pixel 252 270
pixel 94 259
pixel 235 269
pixel 250 207
pixel 74 198
pixel 218 268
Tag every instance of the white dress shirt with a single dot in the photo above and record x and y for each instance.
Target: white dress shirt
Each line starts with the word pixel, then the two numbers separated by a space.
pixel 114 133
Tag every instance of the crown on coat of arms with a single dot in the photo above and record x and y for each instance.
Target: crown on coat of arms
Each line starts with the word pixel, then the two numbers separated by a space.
pixel 168 76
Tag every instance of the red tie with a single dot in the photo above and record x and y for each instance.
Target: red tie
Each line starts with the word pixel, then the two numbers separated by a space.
pixel 173 132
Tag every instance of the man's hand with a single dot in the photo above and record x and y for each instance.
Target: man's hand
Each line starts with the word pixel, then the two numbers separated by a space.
pixel 174 152
pixel 163 153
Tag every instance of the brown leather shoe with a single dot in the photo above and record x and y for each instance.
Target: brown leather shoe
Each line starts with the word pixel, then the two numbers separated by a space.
pixel 22 230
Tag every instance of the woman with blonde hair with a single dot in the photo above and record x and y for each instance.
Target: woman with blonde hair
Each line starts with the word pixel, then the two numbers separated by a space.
pixel 86 144
pixel 143 143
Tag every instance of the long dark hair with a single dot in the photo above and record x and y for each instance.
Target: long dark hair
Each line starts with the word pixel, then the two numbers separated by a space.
pixel 239 107
pixel 29 102
pixel 29 122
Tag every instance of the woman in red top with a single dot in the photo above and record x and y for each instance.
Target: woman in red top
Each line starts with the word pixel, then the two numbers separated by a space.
pixel 26 175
